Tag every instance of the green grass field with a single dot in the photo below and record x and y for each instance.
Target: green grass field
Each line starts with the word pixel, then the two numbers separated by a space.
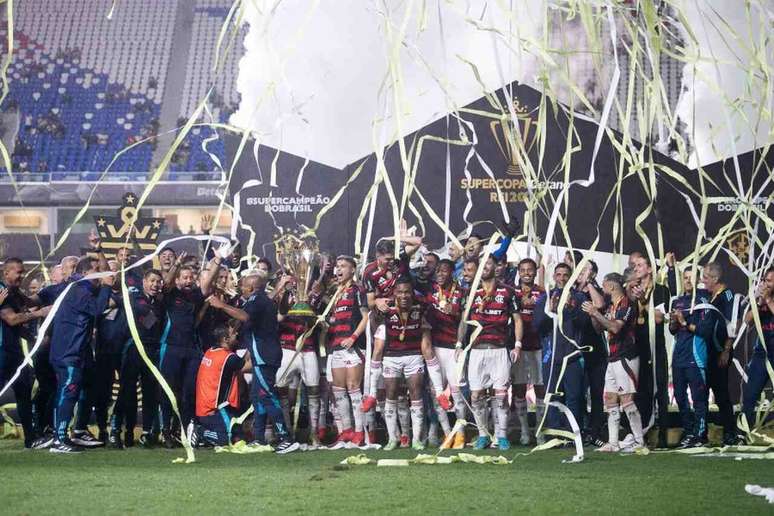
pixel 140 481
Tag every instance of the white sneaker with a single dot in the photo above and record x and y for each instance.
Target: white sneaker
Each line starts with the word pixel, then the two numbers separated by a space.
pixel 609 448
pixel 633 448
pixel 524 439
pixel 627 441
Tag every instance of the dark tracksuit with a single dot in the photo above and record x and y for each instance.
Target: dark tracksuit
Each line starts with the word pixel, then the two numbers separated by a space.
pixel 180 352
pixel 595 367
pixel 11 357
pixel 150 318
pixel 757 374
pixel 645 388
pixel 689 363
pixel 571 384
pixel 71 346
pixel 717 375
pixel 43 402
pixel 112 333
pixel 261 338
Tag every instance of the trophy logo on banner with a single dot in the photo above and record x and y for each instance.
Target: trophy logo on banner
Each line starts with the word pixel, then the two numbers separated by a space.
pixel 128 229
pixel 739 244
pixel 505 134
pixel 298 255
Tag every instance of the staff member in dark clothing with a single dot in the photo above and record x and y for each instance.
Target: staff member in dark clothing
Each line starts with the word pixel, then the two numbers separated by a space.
pixel 180 352
pixel 71 339
pixel 643 289
pixel 12 318
pixel 261 338
pixel 721 348
pixel 149 317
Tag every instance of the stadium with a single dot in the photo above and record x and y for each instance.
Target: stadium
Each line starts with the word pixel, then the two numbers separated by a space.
pixel 396 256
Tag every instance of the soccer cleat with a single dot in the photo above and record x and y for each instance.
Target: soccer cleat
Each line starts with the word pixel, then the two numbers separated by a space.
pixel 86 440
pixel 103 436
pixel 368 403
pixel 44 441
pixel 321 433
pixel 148 440
pixel 358 438
pixel 286 447
pixel 443 401
pixel 482 442
pixel 391 445
pixel 193 435
pixel 404 441
pixel 459 440
pixel 633 448
pixel 731 439
pixel 114 441
pixel 609 448
pixel 64 447
pixel 524 439
pixel 257 445
pixel 417 446
pixel 447 442
pixel 372 438
pixel 169 441
pixel 628 441
pixel 503 443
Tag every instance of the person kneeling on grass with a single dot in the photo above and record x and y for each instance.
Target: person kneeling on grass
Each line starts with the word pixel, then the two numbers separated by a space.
pixel 623 364
pixel 217 391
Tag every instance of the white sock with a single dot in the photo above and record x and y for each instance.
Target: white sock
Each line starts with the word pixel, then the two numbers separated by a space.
pixel 434 372
pixel 613 421
pixel 314 412
pixel 343 407
pixel 635 422
pixel 492 421
pixel 520 409
pixel 479 415
pixel 501 409
pixel 443 417
pixel 370 420
pixel 356 397
pixel 391 419
pixel 459 404
pixel 376 374
pixel 417 417
pixel 404 416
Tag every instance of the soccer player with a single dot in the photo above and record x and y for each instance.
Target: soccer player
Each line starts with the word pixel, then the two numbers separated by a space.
pixel 757 373
pixel 494 305
pixel 693 330
pixel 445 305
pixel 150 318
pixel 721 348
pixel 167 258
pixel 71 346
pixel 262 341
pixel 528 369
pixel 642 290
pixel 180 351
pixel 623 364
pixel 12 317
pixel 298 367
pixel 217 390
pixel 347 322
pixel 558 345
pixel 402 340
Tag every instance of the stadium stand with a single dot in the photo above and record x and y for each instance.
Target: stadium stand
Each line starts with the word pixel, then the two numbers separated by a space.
pixel 83 87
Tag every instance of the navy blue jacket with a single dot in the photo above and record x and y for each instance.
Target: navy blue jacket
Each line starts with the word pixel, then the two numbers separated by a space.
pixel 690 349
pixel 261 337
pixel 724 302
pixel 112 330
pixel 74 323
pixel 573 323
pixel 182 307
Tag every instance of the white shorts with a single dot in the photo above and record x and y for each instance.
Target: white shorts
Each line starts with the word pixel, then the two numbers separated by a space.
pixel 489 368
pixel 528 370
pixel 449 366
pixel 403 367
pixel 618 381
pixel 344 358
pixel 304 368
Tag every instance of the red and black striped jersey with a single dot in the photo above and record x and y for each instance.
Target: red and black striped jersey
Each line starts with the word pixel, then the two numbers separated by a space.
pixel 379 281
pixel 290 329
pixel 527 300
pixel 403 332
pixel 622 344
pixel 444 311
pixel 345 315
pixel 493 310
